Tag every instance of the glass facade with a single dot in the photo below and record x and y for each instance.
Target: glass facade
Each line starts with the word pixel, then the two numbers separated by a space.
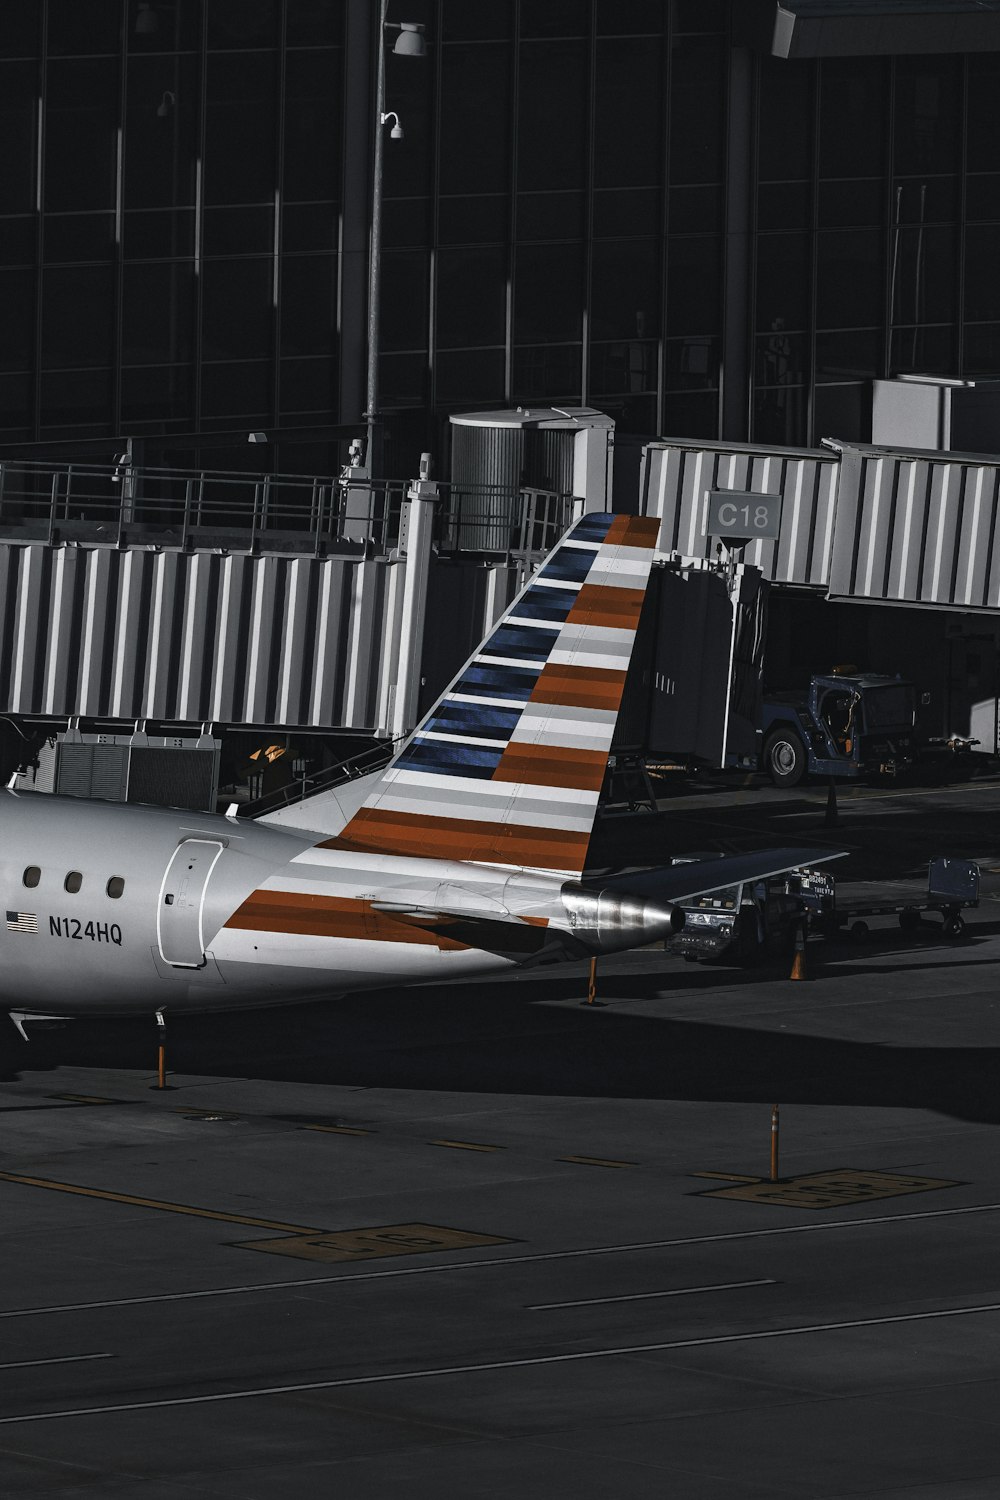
pixel 185 198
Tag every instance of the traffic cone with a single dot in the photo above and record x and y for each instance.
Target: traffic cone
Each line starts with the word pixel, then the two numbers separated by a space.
pixel 799 961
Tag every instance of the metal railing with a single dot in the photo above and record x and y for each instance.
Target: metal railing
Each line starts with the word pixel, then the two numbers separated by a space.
pixel 492 519
pixel 371 759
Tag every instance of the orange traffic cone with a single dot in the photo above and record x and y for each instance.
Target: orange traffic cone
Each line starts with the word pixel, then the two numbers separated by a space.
pixel 799 961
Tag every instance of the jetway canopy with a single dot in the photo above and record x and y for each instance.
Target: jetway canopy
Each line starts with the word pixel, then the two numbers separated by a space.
pixel 857 522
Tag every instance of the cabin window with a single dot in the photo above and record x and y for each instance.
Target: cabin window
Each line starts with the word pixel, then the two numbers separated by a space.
pixel 31 876
pixel 73 881
pixel 116 887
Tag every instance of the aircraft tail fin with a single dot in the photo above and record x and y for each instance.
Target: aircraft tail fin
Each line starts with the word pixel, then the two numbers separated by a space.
pixel 508 765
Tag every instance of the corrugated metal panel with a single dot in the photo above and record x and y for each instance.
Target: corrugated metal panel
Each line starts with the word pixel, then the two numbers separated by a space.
pixel 193 636
pixel 677 476
pixel 918 529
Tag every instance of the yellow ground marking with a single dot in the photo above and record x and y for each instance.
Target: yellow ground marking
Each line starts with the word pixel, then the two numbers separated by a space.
pixel 337 1129
pixel 830 1189
pixel 368 1244
pixel 727 1176
pixel 465 1145
pixel 157 1203
pixel 85 1099
pixel 595 1161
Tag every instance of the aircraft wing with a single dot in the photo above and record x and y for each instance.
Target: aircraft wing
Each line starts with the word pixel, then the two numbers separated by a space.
pixel 680 881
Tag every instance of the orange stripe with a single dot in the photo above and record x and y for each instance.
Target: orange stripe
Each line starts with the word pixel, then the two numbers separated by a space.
pixel 579 687
pixel 552 765
pixel 634 531
pixel 602 604
pixel 374 831
pixel 328 916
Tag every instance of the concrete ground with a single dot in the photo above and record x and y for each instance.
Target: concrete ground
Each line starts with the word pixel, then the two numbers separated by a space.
pixel 487 1241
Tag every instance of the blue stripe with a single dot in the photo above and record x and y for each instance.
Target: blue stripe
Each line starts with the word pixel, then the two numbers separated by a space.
pixel 450 760
pixel 531 645
pixel 497 682
pixel 474 719
pixel 544 604
pixel 569 564
pixel 592 528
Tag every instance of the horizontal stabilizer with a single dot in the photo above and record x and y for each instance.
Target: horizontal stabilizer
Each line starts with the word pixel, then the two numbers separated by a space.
pixel 679 881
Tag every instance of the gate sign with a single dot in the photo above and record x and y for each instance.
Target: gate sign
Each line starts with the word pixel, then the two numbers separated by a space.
pixel 743 515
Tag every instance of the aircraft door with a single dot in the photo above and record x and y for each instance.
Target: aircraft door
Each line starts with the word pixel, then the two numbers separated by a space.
pixel 179 929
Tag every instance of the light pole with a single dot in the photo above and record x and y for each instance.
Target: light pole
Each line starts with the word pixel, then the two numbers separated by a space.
pixel 409 43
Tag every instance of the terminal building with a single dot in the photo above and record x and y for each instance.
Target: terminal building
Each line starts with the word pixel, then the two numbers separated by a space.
pixel 740 244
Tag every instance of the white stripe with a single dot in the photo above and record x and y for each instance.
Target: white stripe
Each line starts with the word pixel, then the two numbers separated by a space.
pixel 512 703
pixel 579 656
pixel 501 790
pixel 528 1362
pixel 456 739
pixel 573 545
pixel 555 583
pixel 62 1359
pixel 515 618
pixel 517 815
pixel 683 1291
pixel 505 661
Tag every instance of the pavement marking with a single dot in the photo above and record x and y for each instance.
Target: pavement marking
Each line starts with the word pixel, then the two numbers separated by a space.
pixel 832 1189
pixel 85 1099
pixel 62 1359
pixel 157 1203
pixel 337 1129
pixel 366 1244
pixel 728 1176
pixel 500 1262
pixel 466 1145
pixel 526 1363
pixel 595 1161
pixel 684 1291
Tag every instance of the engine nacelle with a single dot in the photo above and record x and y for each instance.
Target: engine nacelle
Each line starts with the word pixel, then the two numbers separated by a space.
pixel 613 918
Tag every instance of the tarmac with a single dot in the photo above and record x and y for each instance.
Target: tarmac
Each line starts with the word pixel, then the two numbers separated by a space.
pixel 488 1240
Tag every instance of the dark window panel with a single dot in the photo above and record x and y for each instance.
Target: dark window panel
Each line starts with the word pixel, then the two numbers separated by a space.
pixel 924 200
pixel 18 239
pixel 237 308
pixel 923 351
pixel 240 128
pixel 238 231
pixel 307 387
pixel 697 109
pixel 982 115
pixel 473 220
pixel 475 119
pixel 785 205
pixel 241 24
pixel 625 289
pixel 81 133
pixel 471 298
pixel 982 195
pixel 849 355
pixel 157 393
pixel 309 304
pixel 786 94
pixel 309 226
pixel 982 284
pixel 631 413
pixel 982 349
pixel 71 398
pixel 926 263
pixel 563 18
pixel 690 414
pixel 843 411
pixel 928 105
pixel 161 132
pixel 548 372
pixel 691 364
pixel 157 312
pixel 76 30
pixel 159 233
pixel 404 300
pixel 853 133
pixel 630 17
pixel 314 23
pixel 618 211
pixel 16 395
pixel 552 116
pixel 626 366
pixel 694 288
pixel 79 237
pixel 20 34
pixel 548 293
pixel 470 375
pixel 17 298
pixel 699 15
pixel 628 131
pixel 783 274
pixel 846 202
pixel 163 26
pixel 409 91
pixel 403 379
pixel 550 216
pixel 77 316
pixel 695 210
pixel 18 132
pixel 406 223
pixel 849 274
pixel 240 389
pixel 313 124
pixel 476 20
pixel 779 416
pixel 781 358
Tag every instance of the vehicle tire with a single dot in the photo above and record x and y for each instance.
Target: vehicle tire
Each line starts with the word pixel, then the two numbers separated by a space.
pixel 954 927
pixel 785 758
pixel 859 931
pixel 909 919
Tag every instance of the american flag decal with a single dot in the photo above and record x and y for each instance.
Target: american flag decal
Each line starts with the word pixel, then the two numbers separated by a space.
pixel 22 921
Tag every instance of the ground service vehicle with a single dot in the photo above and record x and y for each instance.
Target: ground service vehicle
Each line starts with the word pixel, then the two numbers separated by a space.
pixel 850 724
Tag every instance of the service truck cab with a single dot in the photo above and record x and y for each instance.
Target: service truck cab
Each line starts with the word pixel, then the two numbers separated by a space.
pixel 849 724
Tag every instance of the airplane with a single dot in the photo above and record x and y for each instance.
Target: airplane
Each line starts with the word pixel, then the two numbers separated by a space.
pixel 464 856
